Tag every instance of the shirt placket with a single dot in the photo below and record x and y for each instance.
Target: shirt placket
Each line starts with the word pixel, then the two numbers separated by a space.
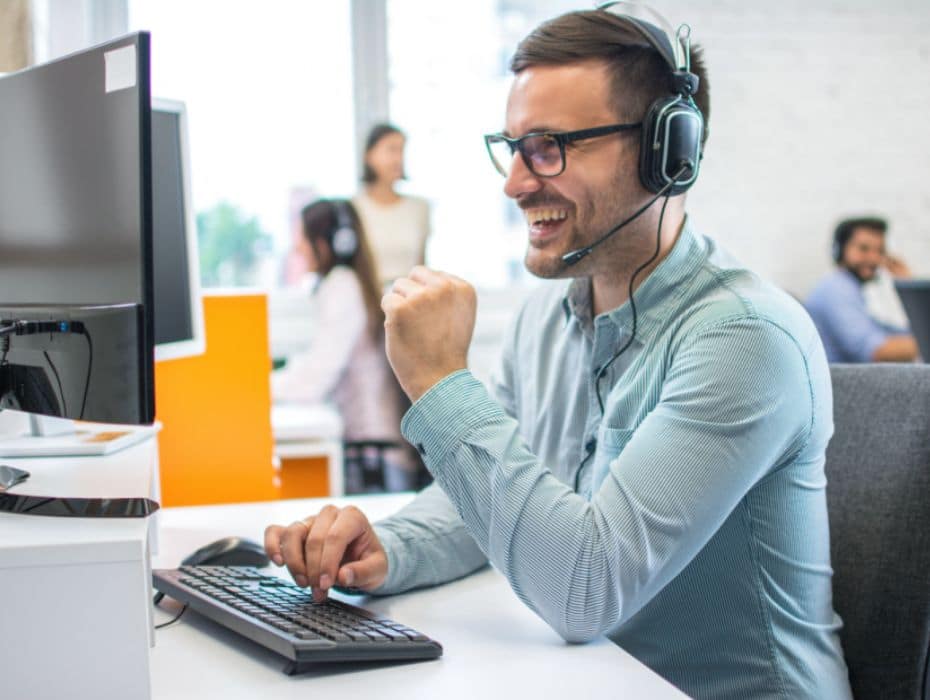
pixel 606 337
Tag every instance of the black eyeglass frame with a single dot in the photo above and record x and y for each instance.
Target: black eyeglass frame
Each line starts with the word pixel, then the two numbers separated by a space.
pixel 562 138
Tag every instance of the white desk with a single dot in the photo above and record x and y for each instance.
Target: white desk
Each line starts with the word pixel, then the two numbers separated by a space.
pixel 494 646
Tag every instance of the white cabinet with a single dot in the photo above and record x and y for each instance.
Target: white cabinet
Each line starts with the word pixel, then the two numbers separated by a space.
pixel 75 593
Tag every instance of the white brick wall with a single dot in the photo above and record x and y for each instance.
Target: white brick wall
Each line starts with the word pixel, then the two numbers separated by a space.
pixel 819 110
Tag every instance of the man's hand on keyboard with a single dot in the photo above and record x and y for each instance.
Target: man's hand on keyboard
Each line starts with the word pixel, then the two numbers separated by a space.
pixel 335 547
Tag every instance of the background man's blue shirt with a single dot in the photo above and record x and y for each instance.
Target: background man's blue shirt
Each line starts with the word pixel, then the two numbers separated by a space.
pixel 695 533
pixel 839 310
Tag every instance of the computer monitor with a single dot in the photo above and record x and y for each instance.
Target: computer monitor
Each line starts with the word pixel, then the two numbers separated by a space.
pixel 915 296
pixel 178 309
pixel 76 236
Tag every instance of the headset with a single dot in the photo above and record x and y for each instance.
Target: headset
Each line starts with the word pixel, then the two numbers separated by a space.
pixel 673 127
pixel 343 239
pixel 840 239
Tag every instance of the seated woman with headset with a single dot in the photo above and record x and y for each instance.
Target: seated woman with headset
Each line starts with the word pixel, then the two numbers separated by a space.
pixel 347 364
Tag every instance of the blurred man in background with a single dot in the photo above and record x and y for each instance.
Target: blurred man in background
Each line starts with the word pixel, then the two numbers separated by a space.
pixel 852 331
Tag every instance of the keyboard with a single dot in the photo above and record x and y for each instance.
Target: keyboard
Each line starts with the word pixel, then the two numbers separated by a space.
pixel 283 617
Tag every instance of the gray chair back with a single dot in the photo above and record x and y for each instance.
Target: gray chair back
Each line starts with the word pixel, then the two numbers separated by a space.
pixel 878 495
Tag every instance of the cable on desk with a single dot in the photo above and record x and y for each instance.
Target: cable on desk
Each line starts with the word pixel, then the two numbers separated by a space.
pixel 173 620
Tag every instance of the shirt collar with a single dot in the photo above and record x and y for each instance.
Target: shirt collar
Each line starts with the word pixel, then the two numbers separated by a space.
pixel 658 295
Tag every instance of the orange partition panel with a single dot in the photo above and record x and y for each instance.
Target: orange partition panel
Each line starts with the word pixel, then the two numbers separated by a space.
pixel 216 442
pixel 304 477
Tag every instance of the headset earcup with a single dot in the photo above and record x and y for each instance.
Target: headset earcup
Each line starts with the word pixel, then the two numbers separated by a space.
pixel 672 133
pixel 344 243
pixel 650 152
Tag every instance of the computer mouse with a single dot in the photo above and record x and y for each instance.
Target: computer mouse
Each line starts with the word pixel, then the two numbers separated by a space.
pixel 229 551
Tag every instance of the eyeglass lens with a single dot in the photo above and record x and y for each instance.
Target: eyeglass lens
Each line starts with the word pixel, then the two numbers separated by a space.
pixel 541 153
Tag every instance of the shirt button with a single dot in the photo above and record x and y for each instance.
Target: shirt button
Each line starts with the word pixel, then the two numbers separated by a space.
pixel 421 449
pixel 590 445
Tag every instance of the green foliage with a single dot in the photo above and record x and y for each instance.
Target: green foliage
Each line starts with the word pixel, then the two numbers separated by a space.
pixel 230 246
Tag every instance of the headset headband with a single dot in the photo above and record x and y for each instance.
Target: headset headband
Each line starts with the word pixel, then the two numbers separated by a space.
pixel 673 126
pixel 673 46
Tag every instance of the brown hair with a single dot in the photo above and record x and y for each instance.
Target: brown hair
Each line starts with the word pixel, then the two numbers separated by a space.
pixel 320 222
pixel 639 75
pixel 378 132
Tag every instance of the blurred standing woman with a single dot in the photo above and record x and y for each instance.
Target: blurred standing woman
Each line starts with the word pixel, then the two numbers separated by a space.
pixel 346 363
pixel 397 224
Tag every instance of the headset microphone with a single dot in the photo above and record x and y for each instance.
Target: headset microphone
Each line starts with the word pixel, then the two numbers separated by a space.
pixel 574 256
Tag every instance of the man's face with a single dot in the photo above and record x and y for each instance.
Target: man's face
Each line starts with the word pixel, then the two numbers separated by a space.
pixel 864 252
pixel 596 189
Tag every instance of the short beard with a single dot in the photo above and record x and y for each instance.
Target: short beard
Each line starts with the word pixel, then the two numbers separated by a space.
pixel 855 273
pixel 583 233
pixel 556 267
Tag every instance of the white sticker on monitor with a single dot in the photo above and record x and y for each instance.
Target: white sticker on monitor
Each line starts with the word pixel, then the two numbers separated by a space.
pixel 120 68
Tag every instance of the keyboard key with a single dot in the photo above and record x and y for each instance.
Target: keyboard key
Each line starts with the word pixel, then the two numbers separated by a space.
pixel 393 635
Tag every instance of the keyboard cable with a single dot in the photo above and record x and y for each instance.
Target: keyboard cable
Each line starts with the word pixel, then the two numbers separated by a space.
pixel 173 620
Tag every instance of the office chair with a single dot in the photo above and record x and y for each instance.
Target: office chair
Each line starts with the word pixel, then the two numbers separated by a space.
pixel 878 496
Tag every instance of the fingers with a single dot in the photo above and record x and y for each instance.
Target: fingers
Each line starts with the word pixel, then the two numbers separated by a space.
pixel 405 287
pixel 366 573
pixel 275 536
pixel 292 549
pixel 417 281
pixel 313 549
pixel 433 278
pixel 424 275
pixel 345 530
pixel 273 543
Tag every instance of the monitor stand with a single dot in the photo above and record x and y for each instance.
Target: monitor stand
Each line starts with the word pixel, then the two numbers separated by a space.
pixel 58 437
pixel 47 426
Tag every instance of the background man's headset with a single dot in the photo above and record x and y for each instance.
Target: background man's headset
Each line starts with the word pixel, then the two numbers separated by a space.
pixel 343 239
pixel 841 237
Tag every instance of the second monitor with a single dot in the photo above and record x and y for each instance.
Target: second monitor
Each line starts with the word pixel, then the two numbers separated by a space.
pixel 915 296
pixel 178 309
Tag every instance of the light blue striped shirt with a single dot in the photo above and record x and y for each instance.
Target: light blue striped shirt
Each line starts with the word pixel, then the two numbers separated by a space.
pixel 696 535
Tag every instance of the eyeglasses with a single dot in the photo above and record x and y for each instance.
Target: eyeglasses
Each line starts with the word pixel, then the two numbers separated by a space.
pixel 543 152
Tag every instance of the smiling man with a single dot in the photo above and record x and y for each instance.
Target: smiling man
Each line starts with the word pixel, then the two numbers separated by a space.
pixel 649 465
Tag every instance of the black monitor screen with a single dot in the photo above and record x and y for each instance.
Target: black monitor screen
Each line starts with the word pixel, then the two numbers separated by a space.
pixel 75 235
pixel 69 185
pixel 915 296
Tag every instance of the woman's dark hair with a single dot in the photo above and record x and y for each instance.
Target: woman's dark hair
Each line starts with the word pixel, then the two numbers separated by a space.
pixel 320 222
pixel 378 132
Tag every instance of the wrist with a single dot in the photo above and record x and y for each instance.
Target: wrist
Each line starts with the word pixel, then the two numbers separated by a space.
pixel 420 385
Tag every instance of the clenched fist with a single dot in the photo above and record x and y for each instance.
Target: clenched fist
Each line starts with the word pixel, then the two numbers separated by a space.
pixel 429 320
